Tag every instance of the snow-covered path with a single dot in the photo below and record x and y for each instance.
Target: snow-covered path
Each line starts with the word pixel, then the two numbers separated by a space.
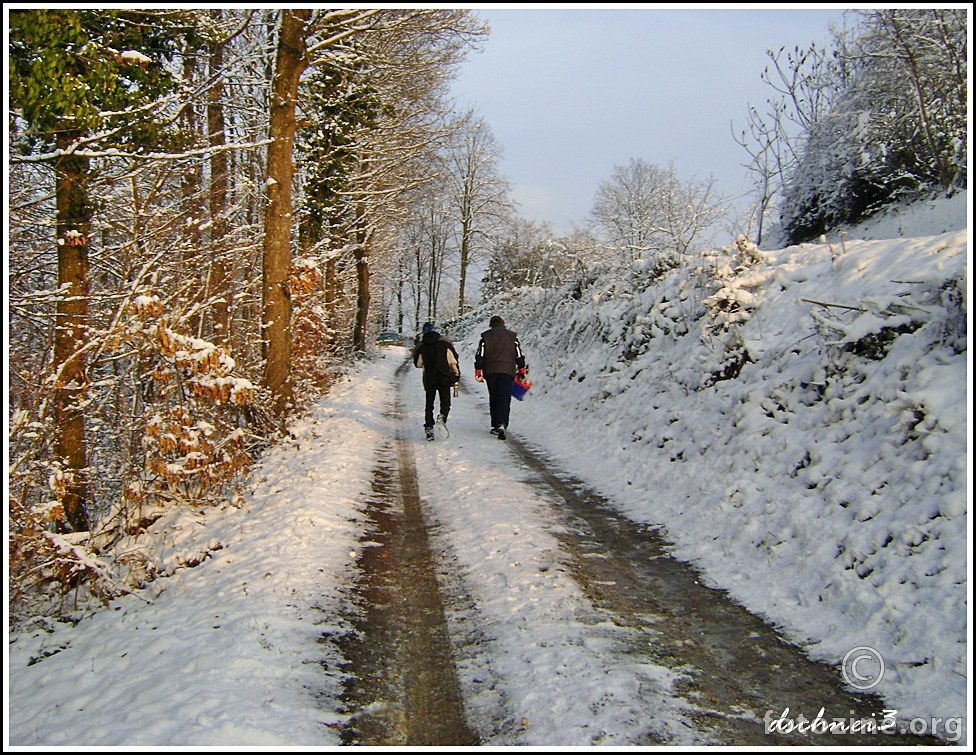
pixel 572 626
pixel 556 640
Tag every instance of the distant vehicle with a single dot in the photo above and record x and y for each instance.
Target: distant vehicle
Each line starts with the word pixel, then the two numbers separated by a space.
pixel 389 338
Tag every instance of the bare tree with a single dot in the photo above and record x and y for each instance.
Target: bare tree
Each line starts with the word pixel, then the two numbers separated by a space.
pixel 410 58
pixel 479 194
pixel 648 215
pixel 526 254
pixel 432 254
pixel 73 231
pixel 406 57
pixel 878 117
pixel 219 275
pixel 806 82
pixel 689 211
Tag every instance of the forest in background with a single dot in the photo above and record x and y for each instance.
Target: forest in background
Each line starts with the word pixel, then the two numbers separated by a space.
pixel 211 212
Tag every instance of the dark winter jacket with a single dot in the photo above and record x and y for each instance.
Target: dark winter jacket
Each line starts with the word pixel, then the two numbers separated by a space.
pixel 499 351
pixel 439 360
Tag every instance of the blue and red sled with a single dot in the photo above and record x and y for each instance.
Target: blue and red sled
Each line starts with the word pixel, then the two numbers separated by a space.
pixel 520 386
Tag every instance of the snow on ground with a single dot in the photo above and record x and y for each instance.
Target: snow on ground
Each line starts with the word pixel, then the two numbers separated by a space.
pixel 827 485
pixel 824 485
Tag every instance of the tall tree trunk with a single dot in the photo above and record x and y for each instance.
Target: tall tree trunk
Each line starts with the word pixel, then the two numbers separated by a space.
pixel 399 294
pixel 219 282
pixel 466 232
pixel 191 187
pixel 418 284
pixel 73 225
pixel 290 62
pixel 362 283
pixel 331 291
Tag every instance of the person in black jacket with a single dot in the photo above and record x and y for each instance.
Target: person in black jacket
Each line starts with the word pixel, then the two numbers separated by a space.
pixel 439 360
pixel 497 361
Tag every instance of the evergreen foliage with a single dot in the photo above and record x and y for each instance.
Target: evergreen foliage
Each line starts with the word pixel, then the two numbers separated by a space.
pixel 94 72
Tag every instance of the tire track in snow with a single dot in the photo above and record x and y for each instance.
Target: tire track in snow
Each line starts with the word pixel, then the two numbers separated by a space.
pixel 403 687
pixel 729 667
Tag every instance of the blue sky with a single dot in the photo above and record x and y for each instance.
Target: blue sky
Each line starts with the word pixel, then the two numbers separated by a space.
pixel 570 92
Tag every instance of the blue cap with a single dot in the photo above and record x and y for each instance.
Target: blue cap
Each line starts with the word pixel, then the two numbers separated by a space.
pixel 428 327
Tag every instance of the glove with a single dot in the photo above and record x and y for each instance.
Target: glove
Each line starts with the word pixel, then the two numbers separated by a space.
pixel 521 373
pixel 477 376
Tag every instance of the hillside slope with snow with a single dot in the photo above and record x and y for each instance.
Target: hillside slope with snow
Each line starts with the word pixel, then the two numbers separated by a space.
pixel 795 421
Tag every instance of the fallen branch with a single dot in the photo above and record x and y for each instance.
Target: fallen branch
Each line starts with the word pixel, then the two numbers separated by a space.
pixel 828 304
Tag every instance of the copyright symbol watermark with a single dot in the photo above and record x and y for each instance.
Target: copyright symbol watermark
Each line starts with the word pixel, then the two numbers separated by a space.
pixel 862 667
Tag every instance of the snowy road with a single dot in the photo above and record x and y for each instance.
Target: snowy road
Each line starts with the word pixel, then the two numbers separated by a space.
pixel 502 599
pixel 535 615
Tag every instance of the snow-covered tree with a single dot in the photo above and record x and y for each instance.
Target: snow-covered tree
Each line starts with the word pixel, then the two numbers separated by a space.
pixel 896 125
pixel 478 193
pixel 381 102
pixel 647 215
pixel 530 254
pixel 85 83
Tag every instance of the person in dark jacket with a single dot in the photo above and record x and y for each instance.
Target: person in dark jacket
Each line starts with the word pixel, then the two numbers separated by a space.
pixel 439 360
pixel 497 361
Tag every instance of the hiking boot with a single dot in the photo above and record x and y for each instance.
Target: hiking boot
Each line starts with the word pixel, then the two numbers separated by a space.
pixel 442 426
